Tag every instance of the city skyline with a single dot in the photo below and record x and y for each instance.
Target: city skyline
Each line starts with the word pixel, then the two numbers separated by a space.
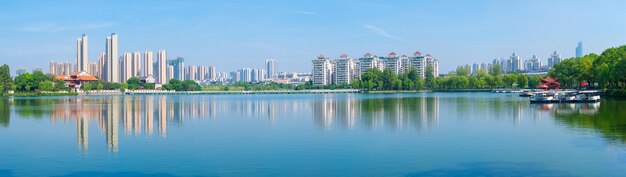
pixel 295 31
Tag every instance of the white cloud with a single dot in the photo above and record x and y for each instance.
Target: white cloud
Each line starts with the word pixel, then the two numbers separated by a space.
pixel 381 32
pixel 53 27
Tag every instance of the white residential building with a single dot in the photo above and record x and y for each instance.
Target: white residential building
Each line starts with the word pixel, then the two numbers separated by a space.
pixel 368 62
pixel 322 71
pixel 344 70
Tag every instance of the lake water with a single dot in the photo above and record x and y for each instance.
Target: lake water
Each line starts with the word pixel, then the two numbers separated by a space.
pixel 419 134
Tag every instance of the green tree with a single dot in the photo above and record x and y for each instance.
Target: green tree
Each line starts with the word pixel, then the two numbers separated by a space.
pixel 24 82
pixel 534 81
pixel 408 84
pixel 87 86
pixel 388 78
pixel 419 84
pixel 176 84
pixel 46 85
pixel 133 83
pixel 5 78
pixel 522 81
pixel 100 86
pixel 190 85
pixel 356 83
pixel 412 74
pixel 38 77
pixel 123 86
pixel 495 70
pixel 397 84
pixel 371 79
pixel 509 80
pixel 430 77
pixel 148 86
pixel 463 71
pixel 60 85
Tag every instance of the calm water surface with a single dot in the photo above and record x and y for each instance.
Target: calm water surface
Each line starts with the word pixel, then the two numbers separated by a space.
pixel 421 134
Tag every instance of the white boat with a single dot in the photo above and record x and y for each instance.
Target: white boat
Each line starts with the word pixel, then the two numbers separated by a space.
pixel 565 96
pixel 587 96
pixel 542 97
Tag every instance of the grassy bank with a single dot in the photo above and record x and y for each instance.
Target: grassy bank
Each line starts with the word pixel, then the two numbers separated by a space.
pixel 32 94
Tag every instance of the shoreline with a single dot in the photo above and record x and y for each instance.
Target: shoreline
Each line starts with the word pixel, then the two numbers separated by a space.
pixel 607 93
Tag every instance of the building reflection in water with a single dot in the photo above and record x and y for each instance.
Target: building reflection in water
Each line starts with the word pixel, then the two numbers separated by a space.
pixel 148 115
pixel 138 115
pixel 395 113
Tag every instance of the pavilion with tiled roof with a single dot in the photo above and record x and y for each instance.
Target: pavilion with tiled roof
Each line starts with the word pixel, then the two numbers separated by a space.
pixel 549 83
pixel 76 79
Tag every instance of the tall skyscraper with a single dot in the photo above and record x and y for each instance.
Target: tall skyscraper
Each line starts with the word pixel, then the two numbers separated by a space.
pixel 136 64
pixel 162 67
pixel 254 75
pixel 245 74
pixel 82 53
pixel 191 73
pixel 270 68
pixel 112 63
pixel 579 50
pixel 533 64
pixel 148 62
pixel 127 66
pixel 179 67
pixel 474 69
pixel 516 63
pixel 212 73
pixel 169 73
pixel 203 73
pixel 554 59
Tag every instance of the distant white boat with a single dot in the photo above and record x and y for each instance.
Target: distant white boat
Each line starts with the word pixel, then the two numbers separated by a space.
pixel 588 96
pixel 542 97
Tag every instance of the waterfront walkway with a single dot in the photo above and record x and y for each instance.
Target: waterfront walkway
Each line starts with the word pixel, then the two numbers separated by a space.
pixel 160 92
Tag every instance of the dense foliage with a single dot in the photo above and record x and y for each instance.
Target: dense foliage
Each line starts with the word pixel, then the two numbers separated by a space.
pixel 37 81
pixel 605 71
pixel 375 79
pixel 6 81
pixel 186 85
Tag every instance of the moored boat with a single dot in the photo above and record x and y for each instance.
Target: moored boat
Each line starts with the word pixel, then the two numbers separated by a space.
pixel 565 97
pixel 542 97
pixel 588 96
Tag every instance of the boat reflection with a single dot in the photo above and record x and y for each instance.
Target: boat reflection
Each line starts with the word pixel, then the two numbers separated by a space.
pixel 606 117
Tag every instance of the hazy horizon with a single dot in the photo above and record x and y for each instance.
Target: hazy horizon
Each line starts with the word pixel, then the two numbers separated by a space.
pixel 243 34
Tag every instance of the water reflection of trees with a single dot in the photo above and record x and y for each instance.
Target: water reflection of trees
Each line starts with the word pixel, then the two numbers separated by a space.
pixel 5 112
pixel 607 117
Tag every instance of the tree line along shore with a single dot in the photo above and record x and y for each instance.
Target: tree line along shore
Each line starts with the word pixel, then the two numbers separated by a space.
pixel 606 71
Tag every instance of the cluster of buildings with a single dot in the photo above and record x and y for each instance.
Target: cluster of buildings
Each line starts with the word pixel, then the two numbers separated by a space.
pixel 345 69
pixel 113 67
pixel 514 63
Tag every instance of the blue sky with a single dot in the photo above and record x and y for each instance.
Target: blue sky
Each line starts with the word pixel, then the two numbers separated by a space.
pixel 236 34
